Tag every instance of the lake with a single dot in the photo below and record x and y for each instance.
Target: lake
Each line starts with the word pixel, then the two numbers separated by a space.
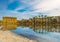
pixel 41 36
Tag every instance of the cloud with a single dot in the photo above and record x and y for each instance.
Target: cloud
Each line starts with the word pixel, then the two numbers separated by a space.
pixel 24 11
pixel 54 12
pixel 47 5
pixel 29 8
pixel 28 3
pixel 19 15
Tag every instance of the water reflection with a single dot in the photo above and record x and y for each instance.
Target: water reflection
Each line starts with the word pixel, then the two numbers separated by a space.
pixel 40 33
pixel 41 29
pixel 36 28
pixel 10 27
pixel 41 37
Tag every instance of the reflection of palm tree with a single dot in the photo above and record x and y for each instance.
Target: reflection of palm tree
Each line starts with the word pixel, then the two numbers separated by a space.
pixel 42 22
pixel 34 22
pixel 39 23
pixel 48 22
pixel 45 21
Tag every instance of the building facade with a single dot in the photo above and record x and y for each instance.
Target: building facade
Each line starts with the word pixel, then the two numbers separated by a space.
pixel 9 22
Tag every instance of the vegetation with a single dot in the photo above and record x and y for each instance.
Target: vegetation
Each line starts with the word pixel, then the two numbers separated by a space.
pixel 41 22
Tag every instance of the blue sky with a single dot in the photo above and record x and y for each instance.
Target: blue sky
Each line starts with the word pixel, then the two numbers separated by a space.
pixel 24 9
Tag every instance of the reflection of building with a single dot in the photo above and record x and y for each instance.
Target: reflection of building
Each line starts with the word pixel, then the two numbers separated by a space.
pixel 9 22
pixel 0 22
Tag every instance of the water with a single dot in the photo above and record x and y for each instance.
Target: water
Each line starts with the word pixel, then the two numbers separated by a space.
pixel 41 37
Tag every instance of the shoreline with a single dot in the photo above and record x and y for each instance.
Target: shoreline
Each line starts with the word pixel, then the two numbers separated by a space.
pixel 8 36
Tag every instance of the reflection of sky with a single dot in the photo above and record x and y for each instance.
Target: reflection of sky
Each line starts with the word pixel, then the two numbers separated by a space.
pixel 29 8
pixel 46 37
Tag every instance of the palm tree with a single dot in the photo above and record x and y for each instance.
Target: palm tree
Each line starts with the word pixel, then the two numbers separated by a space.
pixel 39 16
pixel 42 23
pixel 45 21
pixel 34 22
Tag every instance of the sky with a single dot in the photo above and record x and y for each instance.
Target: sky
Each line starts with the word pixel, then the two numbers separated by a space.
pixel 25 9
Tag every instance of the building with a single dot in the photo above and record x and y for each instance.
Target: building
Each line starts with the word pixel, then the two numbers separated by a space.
pixel 9 23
